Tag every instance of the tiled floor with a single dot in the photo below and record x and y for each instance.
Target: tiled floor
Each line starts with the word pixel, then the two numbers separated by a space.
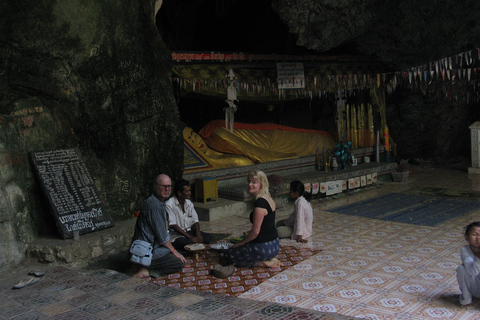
pixel 368 269
pixel 65 294
pixel 373 268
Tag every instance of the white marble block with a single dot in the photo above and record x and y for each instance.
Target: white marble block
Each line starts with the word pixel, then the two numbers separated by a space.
pixel 474 135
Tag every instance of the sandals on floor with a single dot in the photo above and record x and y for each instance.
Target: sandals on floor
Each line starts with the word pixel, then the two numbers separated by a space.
pixel 26 282
pixel 37 273
pixel 30 280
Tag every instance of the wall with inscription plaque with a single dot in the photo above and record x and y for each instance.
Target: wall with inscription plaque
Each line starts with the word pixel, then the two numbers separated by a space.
pixel 71 192
pixel 119 110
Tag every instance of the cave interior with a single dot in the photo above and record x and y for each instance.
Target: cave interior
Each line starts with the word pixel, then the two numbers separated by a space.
pixel 394 36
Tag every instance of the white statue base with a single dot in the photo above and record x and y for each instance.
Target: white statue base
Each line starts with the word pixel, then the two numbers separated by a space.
pixel 474 135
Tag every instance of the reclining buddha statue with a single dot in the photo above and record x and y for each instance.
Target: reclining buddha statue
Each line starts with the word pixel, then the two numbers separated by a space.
pixel 256 143
pixel 214 158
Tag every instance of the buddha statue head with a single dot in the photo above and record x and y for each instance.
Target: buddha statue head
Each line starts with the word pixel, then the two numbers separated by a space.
pixel 215 158
pixel 194 139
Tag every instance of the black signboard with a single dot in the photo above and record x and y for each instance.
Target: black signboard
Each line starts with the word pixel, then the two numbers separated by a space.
pixel 70 191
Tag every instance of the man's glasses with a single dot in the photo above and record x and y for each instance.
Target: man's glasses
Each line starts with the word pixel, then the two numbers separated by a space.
pixel 165 186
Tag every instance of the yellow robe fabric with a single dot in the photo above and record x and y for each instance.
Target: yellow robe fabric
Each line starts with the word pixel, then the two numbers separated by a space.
pixel 214 158
pixel 270 145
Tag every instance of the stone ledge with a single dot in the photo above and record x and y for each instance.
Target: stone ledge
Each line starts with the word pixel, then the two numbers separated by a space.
pixel 237 191
pixel 216 210
pixel 91 247
pixel 472 170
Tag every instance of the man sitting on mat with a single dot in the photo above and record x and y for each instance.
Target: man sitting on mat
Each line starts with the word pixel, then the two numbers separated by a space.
pixel 151 227
pixel 183 218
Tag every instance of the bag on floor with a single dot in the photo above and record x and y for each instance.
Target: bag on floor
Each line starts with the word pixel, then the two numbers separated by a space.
pixel 141 252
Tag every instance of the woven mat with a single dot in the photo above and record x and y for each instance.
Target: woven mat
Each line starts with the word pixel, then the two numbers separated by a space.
pixel 410 208
pixel 197 273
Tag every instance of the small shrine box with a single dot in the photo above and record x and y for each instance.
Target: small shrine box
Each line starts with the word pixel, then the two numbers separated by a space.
pixel 206 189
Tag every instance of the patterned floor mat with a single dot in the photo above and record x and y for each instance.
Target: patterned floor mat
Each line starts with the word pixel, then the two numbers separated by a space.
pixel 196 275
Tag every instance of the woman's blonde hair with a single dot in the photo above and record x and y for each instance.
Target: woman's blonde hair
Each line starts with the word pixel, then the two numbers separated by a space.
pixel 262 178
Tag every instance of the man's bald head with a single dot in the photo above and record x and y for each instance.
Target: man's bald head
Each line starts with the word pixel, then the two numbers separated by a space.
pixel 163 187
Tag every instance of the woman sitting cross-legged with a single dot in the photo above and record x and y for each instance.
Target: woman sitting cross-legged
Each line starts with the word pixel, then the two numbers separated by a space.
pixel 261 245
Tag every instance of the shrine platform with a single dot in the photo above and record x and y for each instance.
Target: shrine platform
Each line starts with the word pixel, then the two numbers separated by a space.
pixel 232 190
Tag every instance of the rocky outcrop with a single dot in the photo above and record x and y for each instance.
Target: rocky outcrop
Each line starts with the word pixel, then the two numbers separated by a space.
pixel 401 33
pixel 89 74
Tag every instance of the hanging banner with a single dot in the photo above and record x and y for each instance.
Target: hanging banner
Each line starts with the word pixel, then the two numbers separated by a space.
pixel 290 75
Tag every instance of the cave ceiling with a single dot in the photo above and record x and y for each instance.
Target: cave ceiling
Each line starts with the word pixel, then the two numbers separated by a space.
pixel 398 33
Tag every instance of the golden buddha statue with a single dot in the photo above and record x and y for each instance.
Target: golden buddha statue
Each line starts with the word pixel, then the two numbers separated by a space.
pixel 216 159
pixel 265 142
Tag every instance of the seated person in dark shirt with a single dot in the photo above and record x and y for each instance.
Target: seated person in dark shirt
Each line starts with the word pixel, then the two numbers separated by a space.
pixel 261 245
pixel 151 226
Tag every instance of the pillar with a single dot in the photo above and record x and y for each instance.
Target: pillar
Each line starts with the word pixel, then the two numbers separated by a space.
pixel 475 143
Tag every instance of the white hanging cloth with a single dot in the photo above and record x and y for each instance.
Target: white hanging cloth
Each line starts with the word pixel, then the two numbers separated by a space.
pixel 231 100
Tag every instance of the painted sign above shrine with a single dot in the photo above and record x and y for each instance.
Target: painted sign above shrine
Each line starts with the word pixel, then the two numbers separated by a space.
pixel 290 75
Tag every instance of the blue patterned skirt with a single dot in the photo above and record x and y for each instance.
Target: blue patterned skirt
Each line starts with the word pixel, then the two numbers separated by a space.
pixel 248 254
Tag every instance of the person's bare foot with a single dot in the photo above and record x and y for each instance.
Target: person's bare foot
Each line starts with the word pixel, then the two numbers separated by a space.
pixel 274 263
pixel 142 273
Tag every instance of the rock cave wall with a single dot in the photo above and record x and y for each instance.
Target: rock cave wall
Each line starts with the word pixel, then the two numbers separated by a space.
pixel 94 75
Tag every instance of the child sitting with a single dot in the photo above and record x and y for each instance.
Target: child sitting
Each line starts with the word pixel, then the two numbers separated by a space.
pixel 468 273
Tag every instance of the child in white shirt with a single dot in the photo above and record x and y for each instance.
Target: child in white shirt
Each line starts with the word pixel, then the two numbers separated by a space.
pixel 468 273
